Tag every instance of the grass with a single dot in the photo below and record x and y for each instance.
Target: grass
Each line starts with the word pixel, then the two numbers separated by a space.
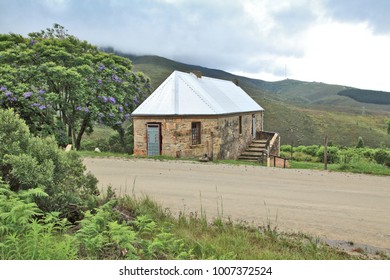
pixel 222 239
pixel 361 167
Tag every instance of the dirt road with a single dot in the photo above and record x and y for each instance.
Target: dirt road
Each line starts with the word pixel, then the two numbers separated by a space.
pixel 328 205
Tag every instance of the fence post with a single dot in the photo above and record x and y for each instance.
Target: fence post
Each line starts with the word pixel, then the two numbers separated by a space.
pixel 326 152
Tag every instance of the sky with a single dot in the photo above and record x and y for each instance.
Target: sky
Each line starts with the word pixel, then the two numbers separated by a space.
pixel 344 42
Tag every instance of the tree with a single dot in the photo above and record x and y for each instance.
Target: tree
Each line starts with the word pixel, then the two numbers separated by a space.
pixel 62 86
pixel 360 143
pixel 388 126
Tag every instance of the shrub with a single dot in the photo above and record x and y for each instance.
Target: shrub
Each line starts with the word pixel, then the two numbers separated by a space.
pixel 333 154
pixel 382 157
pixel 285 148
pixel 311 150
pixel 360 143
pixel 28 162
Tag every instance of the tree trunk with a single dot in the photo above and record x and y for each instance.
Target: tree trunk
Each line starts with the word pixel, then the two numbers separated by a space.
pixel 121 132
pixel 81 132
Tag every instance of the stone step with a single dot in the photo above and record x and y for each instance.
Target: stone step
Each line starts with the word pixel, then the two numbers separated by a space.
pixel 253 154
pixel 256 150
pixel 259 142
pixel 248 158
pixel 257 147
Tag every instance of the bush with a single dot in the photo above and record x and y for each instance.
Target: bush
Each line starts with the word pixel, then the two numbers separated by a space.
pixel 360 143
pixel 333 154
pixel 311 150
pixel 28 162
pixel 382 157
pixel 285 148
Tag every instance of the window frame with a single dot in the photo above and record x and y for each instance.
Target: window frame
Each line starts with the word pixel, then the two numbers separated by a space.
pixel 240 125
pixel 196 133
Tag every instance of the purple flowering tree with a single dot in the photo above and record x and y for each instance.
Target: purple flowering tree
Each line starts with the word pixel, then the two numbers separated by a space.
pixel 58 83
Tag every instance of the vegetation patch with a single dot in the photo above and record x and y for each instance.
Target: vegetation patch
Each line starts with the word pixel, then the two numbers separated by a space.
pixel 367 96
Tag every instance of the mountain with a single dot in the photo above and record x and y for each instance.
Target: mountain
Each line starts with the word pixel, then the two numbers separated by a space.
pixel 302 112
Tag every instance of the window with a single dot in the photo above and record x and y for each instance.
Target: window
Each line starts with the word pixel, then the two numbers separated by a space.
pixel 195 128
pixel 240 124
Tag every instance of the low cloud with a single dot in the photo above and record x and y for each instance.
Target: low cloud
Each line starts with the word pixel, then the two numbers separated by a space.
pixel 331 41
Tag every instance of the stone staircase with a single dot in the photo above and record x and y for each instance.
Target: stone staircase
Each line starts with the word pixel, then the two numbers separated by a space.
pixel 255 151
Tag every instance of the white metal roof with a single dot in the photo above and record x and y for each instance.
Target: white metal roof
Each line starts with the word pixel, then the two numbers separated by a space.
pixel 186 94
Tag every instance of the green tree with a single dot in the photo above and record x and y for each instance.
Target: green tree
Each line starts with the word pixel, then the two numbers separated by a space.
pixel 388 126
pixel 62 86
pixel 360 143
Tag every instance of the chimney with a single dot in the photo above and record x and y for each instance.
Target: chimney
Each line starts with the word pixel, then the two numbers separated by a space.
pixel 197 73
pixel 235 81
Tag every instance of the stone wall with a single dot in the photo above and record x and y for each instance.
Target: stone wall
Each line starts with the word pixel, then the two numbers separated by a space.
pixel 220 137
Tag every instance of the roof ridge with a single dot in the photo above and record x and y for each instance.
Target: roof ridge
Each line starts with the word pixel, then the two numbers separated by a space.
pixel 200 97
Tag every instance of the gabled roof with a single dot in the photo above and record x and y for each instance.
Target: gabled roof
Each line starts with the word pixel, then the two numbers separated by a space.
pixel 186 94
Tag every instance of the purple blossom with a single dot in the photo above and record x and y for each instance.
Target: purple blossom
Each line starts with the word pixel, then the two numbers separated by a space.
pixel 119 123
pixel 33 42
pixel 120 109
pixel 40 98
pixel 35 105
pixel 12 99
pixel 78 108
pixel 102 67
pixel 112 100
pixel 41 91
pixel 86 110
pixel 8 93
pixel 104 99
pixel 42 107
pixel 27 94
pixel 3 88
pixel 111 114
pixel 100 81
pixel 116 78
pixel 136 101
pixel 127 116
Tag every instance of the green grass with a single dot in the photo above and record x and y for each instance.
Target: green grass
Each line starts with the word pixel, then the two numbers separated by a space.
pixel 222 239
pixel 103 154
pixel 362 167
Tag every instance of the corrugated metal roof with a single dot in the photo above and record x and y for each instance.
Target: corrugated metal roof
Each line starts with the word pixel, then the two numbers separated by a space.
pixel 186 94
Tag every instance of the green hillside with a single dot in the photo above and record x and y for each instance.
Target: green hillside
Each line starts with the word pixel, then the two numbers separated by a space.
pixel 367 96
pixel 302 112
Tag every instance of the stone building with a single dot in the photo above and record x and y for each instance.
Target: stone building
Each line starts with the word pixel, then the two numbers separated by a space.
pixel 191 116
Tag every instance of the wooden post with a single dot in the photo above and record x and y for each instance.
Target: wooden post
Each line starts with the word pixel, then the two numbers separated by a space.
pixel 326 152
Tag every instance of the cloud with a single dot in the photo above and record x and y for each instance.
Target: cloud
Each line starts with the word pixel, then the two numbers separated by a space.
pixel 322 40
pixel 376 13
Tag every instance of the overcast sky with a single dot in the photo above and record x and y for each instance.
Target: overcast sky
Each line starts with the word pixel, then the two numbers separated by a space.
pixel 343 42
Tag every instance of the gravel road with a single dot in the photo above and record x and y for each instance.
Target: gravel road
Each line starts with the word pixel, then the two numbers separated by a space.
pixel 328 205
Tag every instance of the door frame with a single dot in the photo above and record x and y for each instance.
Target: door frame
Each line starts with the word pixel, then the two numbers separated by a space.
pixel 158 125
pixel 253 126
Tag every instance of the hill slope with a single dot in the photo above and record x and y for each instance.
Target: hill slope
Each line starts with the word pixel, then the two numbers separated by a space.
pixel 302 112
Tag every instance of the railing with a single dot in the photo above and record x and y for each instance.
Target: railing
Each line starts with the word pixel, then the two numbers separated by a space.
pixel 273 141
